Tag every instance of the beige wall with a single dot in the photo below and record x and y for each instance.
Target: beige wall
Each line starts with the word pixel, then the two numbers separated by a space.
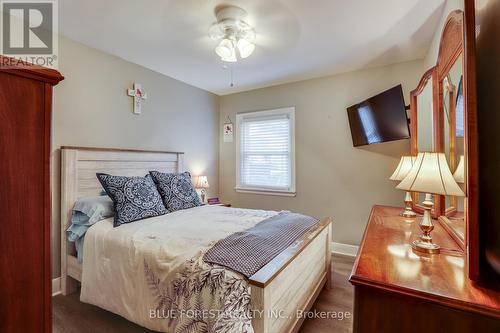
pixel 333 178
pixel 91 108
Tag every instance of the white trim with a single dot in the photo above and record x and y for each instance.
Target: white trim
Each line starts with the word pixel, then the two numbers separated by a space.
pixel 56 286
pixel 266 192
pixel 290 112
pixel 345 249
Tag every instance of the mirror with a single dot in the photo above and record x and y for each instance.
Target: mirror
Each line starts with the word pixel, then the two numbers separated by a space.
pixel 424 118
pixel 450 116
pixel 453 143
pixel 425 123
pixel 422 105
pixel 438 116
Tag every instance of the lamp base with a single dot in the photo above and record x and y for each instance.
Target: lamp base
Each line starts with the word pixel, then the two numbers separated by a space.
pixel 425 244
pixel 408 211
pixel 425 247
pixel 203 195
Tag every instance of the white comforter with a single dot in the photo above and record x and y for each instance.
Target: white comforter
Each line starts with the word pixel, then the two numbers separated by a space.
pixel 151 271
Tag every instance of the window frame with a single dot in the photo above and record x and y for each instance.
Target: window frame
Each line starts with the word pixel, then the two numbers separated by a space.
pixel 288 111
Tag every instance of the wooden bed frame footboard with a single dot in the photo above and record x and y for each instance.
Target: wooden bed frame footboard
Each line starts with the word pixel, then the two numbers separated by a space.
pixel 280 290
pixel 288 285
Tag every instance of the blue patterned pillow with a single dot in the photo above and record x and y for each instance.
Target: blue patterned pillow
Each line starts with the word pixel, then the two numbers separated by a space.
pixel 135 198
pixel 176 190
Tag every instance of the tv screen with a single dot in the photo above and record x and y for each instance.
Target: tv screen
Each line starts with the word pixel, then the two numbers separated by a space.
pixel 379 119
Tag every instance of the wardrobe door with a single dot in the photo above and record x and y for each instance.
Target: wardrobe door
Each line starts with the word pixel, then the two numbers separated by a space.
pixel 485 27
pixel 24 204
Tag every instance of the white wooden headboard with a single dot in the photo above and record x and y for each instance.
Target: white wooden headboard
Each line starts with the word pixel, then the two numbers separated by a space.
pixel 79 166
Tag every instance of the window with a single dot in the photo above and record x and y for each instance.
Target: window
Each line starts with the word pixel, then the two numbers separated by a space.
pixel 265 152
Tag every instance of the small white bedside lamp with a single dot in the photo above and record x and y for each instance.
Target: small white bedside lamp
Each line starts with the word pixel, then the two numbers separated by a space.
pixel 402 170
pixel 202 184
pixel 430 175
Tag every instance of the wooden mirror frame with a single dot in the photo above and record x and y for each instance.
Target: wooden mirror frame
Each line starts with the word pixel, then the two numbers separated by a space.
pixel 460 24
pixel 450 50
pixel 431 76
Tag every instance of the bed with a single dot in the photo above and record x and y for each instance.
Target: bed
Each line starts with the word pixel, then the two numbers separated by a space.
pixel 288 284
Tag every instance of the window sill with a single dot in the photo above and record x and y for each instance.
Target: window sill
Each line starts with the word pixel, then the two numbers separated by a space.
pixel 266 192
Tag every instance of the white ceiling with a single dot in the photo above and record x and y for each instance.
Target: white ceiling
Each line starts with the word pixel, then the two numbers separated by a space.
pixel 296 39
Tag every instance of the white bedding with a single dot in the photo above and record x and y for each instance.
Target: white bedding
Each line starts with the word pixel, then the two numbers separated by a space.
pixel 145 269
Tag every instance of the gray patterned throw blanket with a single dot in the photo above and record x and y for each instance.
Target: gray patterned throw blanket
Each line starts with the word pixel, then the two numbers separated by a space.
pixel 248 251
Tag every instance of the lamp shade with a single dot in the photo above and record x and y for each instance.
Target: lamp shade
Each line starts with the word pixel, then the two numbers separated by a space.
pixel 225 50
pixel 431 174
pixel 245 47
pixel 404 166
pixel 460 171
pixel 202 182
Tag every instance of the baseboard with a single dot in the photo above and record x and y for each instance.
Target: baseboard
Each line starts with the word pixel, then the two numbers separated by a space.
pixel 344 249
pixel 56 286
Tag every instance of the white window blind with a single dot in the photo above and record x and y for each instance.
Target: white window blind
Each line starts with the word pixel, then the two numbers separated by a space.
pixel 266 151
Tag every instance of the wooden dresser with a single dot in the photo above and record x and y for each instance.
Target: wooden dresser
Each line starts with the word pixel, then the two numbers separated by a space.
pixel 25 270
pixel 398 290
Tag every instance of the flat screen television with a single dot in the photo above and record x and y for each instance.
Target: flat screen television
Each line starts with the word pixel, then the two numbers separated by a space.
pixel 380 118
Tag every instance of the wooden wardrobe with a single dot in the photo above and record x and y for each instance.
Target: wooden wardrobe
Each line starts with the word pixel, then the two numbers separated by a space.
pixel 25 128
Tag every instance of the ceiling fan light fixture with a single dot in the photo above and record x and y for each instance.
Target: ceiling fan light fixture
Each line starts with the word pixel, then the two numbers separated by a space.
pixel 236 35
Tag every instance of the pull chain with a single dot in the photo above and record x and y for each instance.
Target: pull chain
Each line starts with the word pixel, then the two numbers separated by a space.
pixel 231 73
pixel 232 77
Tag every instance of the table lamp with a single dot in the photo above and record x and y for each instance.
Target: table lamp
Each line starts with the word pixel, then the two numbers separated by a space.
pixel 202 184
pixel 430 175
pixel 402 170
pixel 460 171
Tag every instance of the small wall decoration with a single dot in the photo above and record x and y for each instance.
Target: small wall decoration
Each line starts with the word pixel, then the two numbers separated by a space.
pixel 139 95
pixel 228 130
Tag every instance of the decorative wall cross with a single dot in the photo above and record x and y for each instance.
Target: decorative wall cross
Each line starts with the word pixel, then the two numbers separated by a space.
pixel 139 95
